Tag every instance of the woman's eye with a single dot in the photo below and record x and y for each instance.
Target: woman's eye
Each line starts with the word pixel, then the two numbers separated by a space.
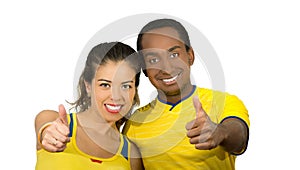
pixel 174 55
pixel 126 86
pixel 105 85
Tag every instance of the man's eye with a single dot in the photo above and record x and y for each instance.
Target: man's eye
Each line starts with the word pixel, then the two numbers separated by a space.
pixel 105 85
pixel 126 86
pixel 174 55
pixel 153 60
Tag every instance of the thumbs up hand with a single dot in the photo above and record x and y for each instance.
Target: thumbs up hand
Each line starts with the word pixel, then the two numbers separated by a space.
pixel 203 133
pixel 55 136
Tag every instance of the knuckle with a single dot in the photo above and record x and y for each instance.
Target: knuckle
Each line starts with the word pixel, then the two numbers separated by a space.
pixel 192 141
pixel 188 134
pixel 54 149
pixel 43 143
pixel 212 144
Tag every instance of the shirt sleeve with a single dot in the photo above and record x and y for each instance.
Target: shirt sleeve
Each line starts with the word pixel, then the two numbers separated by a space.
pixel 234 107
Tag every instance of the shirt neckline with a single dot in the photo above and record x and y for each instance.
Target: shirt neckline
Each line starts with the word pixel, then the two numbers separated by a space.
pixel 173 105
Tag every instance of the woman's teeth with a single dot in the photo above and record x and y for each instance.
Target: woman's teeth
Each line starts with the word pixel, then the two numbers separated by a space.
pixel 115 108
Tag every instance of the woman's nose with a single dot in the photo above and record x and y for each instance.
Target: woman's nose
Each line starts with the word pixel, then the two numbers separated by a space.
pixel 116 94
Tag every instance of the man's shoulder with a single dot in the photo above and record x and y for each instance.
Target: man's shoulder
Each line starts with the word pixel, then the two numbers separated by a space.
pixel 141 114
pixel 208 90
pixel 144 108
pixel 205 92
pixel 148 107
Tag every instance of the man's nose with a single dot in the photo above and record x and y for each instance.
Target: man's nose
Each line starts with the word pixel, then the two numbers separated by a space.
pixel 166 65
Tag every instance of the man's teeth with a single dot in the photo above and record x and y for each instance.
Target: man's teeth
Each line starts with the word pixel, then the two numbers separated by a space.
pixel 110 107
pixel 170 80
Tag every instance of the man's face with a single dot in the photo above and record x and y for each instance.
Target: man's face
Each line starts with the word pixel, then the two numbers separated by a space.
pixel 167 61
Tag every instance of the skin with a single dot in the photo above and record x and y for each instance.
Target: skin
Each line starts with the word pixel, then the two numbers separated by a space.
pixel 168 64
pixel 168 69
pixel 112 92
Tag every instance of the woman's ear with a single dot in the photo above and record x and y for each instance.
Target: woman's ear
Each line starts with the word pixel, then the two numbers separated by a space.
pixel 88 88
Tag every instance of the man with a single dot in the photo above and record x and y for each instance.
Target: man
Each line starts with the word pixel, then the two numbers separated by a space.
pixel 185 127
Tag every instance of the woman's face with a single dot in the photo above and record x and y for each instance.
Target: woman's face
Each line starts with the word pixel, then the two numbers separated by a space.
pixel 112 90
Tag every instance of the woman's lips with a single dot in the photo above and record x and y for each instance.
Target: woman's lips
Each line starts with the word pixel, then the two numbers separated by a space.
pixel 113 108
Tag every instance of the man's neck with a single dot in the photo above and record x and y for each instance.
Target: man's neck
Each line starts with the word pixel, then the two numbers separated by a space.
pixel 175 98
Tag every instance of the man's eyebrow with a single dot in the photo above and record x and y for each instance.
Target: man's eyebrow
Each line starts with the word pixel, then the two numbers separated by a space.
pixel 104 80
pixel 150 53
pixel 173 48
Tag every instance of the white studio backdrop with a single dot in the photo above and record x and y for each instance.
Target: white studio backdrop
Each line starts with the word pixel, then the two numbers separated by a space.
pixel 257 43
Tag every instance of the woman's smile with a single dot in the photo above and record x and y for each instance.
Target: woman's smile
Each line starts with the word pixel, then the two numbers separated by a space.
pixel 113 108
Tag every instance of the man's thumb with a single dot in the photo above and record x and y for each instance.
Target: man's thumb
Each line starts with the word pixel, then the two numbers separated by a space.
pixel 62 114
pixel 197 106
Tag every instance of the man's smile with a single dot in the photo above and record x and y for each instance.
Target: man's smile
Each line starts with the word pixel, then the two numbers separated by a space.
pixel 172 80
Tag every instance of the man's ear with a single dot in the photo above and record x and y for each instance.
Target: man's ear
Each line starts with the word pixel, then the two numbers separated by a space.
pixel 191 56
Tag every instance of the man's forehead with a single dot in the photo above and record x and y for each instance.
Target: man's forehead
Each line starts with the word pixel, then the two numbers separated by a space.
pixel 161 39
pixel 153 51
pixel 161 50
pixel 167 32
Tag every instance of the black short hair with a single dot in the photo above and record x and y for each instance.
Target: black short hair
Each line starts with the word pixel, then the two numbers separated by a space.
pixel 160 23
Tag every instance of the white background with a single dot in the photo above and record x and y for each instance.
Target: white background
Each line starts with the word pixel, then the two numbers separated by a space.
pixel 256 41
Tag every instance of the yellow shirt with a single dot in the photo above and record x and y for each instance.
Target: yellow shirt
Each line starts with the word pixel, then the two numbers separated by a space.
pixel 73 158
pixel 159 131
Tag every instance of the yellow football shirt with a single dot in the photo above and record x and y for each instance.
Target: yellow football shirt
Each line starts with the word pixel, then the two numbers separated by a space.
pixel 159 131
pixel 73 158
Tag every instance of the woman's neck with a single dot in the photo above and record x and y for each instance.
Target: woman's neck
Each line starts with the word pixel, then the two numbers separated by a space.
pixel 93 121
pixel 99 132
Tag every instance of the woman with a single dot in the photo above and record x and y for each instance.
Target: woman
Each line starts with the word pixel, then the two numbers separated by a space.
pixel 91 138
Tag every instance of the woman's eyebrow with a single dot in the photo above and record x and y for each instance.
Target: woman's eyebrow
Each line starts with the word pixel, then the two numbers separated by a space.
pixel 104 80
